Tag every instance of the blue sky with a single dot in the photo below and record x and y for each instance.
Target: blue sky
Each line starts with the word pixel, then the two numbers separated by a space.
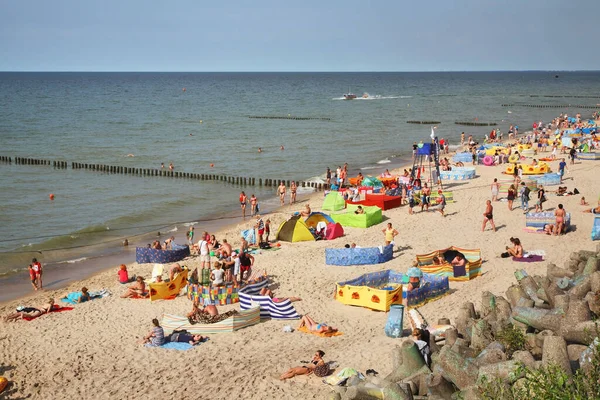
pixel 269 35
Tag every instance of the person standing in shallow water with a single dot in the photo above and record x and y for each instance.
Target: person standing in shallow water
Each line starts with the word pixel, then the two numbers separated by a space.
pixel 243 202
pixel 281 193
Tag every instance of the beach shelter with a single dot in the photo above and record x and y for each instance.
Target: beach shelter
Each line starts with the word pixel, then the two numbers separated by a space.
pixel 334 231
pixel 371 181
pixel 294 230
pixel 315 217
pixel 334 201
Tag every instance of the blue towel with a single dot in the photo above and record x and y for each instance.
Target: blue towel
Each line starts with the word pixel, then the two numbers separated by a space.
pixel 177 346
pixel 72 298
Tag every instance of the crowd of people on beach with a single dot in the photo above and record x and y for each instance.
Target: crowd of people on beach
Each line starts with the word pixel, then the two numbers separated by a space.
pixel 221 265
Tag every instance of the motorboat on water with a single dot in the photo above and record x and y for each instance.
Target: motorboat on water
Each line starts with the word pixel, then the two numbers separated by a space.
pixel 349 95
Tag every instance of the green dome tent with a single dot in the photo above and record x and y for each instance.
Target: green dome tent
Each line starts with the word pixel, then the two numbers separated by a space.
pixel 334 202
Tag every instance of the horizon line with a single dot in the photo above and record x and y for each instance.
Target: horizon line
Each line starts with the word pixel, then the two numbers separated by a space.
pixel 290 71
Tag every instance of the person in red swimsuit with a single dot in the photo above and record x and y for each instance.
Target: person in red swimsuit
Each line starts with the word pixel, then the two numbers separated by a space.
pixel 243 202
pixel 37 268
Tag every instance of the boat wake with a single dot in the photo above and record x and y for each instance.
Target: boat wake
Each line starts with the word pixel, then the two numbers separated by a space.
pixel 367 96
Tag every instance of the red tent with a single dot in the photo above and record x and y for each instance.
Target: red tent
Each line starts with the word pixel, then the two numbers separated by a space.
pixel 334 230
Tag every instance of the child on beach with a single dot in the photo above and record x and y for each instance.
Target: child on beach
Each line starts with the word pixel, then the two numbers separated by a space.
pixel 124 275
pixel 267 229
pixel 190 235
pixel 32 277
pixel 37 268
pixel 217 274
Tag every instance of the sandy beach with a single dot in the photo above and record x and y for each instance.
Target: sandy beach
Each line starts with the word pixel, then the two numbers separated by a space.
pixel 93 351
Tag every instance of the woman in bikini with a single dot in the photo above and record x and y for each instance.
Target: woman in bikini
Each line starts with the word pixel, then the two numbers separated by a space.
pixel 293 189
pixel 138 289
pixel 314 326
pixel 243 202
pixel 560 215
pixel 30 312
pixel 307 369
pixel 253 203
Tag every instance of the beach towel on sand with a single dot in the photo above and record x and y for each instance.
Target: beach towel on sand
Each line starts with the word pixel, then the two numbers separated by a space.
pixel 56 308
pixel 172 346
pixel 321 334
pixel 73 297
pixel 531 258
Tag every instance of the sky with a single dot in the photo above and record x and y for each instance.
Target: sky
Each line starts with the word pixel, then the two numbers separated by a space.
pixel 307 35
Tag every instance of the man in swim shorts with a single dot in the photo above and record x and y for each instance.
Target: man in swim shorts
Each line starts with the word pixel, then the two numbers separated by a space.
pixel 442 203
pixel 488 216
pixel 281 193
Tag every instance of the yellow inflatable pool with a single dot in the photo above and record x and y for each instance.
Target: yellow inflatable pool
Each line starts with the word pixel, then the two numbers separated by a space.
pixel 525 146
pixel 492 151
pixel 528 169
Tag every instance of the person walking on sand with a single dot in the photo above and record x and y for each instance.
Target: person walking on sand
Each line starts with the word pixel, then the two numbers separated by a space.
pixel 512 191
pixel 390 233
pixel 442 202
pixel 425 193
pixel 243 202
pixel 293 190
pixel 328 176
pixel 524 193
pixel 541 194
pixel 495 189
pixel 561 169
pixel 488 216
pixel 281 193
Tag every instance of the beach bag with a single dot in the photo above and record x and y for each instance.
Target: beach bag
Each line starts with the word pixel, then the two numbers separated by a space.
pixel 321 370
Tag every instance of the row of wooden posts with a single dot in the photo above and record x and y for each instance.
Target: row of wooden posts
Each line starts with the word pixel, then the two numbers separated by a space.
pixel 551 106
pixel 238 180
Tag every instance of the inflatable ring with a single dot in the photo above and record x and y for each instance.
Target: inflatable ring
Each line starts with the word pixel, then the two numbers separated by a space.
pixel 513 158
pixel 488 160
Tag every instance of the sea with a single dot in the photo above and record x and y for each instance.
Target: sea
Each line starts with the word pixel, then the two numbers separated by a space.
pixel 201 123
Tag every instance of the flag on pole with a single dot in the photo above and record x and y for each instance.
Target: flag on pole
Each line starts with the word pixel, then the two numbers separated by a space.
pixel 432 133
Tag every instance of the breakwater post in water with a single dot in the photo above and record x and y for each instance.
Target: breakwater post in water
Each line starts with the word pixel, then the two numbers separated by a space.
pixel 145 172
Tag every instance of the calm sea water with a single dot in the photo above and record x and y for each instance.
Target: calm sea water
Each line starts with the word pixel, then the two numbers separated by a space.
pixel 103 117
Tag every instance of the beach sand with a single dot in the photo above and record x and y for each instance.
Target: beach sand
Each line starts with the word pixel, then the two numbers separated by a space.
pixel 92 351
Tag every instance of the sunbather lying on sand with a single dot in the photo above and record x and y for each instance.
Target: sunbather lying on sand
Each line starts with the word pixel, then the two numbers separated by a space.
pixel 306 369
pixel 268 292
pixel 314 326
pixel 30 312
pixel 138 289
pixel 186 338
